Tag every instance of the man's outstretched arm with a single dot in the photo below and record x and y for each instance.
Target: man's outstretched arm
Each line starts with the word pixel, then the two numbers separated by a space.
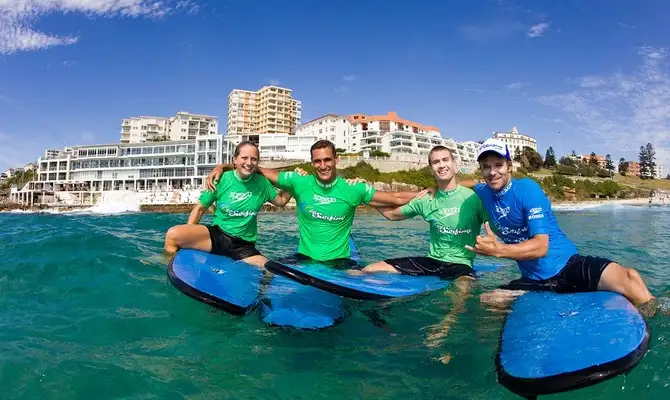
pixel 395 199
pixel 271 174
pixel 392 213
pixel 215 174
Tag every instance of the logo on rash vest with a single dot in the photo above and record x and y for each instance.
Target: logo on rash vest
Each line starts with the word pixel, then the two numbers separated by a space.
pixel 321 200
pixel 318 215
pixel 238 196
pixel 502 212
pixel 448 212
pixel 453 231
pixel 535 213
pixel 233 213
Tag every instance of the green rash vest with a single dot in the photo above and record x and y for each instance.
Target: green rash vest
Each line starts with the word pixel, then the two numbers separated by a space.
pixel 238 202
pixel 325 213
pixel 455 219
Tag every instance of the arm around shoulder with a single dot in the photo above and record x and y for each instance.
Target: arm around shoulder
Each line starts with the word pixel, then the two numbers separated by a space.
pixel 392 213
pixel 391 199
pixel 282 198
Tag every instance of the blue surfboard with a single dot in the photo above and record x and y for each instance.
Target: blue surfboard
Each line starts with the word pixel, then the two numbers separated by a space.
pixel 377 286
pixel 233 286
pixel 553 343
pixel 288 303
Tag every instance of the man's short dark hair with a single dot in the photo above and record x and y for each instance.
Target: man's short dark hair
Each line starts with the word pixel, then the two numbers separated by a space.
pixel 323 144
pixel 438 148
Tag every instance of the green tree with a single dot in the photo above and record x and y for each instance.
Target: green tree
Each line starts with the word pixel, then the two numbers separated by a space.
pixel 651 160
pixel 609 164
pixel 593 161
pixel 533 158
pixel 644 163
pixel 517 155
pixel 550 158
pixel 623 166
pixel 567 161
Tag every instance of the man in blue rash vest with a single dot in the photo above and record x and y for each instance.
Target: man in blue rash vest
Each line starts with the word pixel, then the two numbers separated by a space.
pixel 522 217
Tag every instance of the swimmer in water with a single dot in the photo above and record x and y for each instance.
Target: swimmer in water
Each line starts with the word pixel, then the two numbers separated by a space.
pixel 521 215
pixel 239 196
pixel 455 215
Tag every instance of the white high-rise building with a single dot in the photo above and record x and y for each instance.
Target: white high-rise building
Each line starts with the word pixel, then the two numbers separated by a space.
pixel 331 127
pixel 467 152
pixel 515 140
pixel 268 110
pixel 183 126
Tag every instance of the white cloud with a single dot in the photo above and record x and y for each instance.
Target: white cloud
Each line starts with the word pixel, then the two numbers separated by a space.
pixel 274 82
pixel 349 78
pixel 538 30
pixel 624 111
pixel 19 17
pixel 517 85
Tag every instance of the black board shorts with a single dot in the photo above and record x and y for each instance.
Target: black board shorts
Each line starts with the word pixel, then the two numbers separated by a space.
pixel 426 266
pixel 224 244
pixel 580 274
pixel 338 263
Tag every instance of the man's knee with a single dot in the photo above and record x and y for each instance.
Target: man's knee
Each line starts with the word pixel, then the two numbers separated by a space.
pixel 172 235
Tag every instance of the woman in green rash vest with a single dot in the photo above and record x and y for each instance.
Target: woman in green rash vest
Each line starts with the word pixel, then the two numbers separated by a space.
pixel 239 195
pixel 455 215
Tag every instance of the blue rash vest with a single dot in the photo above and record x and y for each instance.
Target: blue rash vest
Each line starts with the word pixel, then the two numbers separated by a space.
pixel 520 211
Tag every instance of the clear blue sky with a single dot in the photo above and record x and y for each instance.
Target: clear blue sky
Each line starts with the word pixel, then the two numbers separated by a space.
pixel 594 71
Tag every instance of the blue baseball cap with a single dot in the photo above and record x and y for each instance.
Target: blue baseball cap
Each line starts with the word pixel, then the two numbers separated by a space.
pixel 495 145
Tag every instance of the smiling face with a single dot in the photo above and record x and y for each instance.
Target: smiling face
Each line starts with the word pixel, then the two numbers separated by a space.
pixel 324 162
pixel 246 161
pixel 496 170
pixel 442 164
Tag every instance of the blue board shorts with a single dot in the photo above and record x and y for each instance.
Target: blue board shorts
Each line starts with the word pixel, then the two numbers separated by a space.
pixel 580 274
pixel 233 247
pixel 427 266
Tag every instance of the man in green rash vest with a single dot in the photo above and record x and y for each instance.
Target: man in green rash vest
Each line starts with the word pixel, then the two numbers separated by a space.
pixel 238 195
pixel 455 215
pixel 326 204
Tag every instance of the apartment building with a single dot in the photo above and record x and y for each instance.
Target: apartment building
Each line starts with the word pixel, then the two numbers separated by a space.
pixel 91 170
pixel 272 109
pixel 183 126
pixel 392 134
pixel 467 152
pixel 633 168
pixel 586 159
pixel 331 127
pixel 277 146
pixel 516 140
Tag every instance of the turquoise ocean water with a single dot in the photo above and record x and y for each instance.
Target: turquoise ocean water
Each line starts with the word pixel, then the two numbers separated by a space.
pixel 87 312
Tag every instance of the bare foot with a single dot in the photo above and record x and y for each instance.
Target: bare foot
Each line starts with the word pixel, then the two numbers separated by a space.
pixel 500 298
pixel 444 359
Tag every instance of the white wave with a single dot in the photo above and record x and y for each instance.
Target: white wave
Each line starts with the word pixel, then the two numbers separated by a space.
pixel 575 207
pixel 113 203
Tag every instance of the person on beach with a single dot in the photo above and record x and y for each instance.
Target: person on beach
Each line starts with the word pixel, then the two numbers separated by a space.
pixel 238 195
pixel 522 217
pixel 325 204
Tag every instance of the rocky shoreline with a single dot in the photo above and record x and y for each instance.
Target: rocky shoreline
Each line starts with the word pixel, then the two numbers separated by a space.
pixel 185 208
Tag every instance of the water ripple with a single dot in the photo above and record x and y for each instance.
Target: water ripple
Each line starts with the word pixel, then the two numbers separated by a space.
pixel 89 313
